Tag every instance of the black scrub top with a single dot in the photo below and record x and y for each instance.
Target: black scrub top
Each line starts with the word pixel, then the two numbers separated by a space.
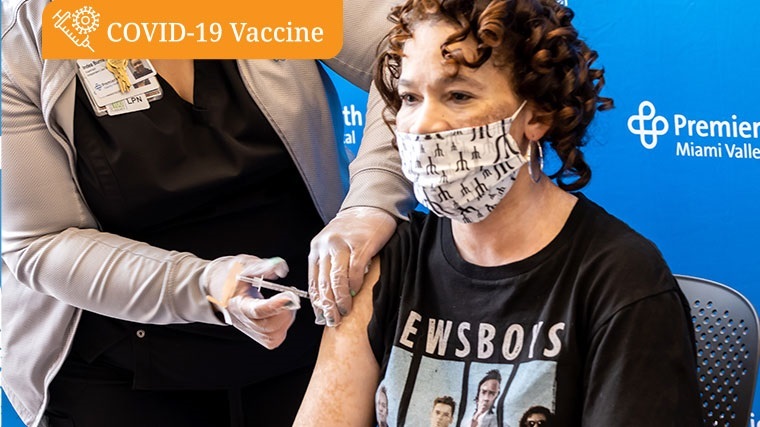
pixel 212 178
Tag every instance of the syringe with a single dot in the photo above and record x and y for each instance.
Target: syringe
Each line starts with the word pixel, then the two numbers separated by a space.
pixel 261 283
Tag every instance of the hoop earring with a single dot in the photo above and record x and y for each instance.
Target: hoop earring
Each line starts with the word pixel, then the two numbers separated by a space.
pixel 535 163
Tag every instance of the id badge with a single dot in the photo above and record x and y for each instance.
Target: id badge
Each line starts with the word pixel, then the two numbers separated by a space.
pixel 103 90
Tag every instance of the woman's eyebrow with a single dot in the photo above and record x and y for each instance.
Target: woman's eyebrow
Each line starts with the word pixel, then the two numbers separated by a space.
pixel 461 78
pixel 405 82
pixel 446 80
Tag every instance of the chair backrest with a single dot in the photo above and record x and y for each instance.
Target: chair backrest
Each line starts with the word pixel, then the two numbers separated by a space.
pixel 727 334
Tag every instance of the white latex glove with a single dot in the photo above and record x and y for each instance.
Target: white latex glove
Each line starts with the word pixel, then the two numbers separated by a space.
pixel 266 320
pixel 339 258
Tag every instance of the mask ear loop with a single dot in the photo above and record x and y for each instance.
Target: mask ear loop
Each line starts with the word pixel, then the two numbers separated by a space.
pixel 535 162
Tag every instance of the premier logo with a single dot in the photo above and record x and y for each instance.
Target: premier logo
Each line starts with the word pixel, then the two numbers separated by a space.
pixel 647 124
pixel 696 137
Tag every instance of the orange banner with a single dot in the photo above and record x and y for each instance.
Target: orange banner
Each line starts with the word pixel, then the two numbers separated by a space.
pixel 171 29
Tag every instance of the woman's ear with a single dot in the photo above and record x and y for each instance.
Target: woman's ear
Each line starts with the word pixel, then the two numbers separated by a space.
pixel 535 125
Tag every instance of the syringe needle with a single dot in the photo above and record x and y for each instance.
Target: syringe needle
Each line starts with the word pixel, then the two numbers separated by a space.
pixel 261 283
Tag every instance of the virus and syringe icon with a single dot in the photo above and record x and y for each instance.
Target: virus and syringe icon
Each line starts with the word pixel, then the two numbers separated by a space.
pixel 84 21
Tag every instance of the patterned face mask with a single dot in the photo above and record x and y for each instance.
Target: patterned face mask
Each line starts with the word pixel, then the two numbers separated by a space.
pixel 462 174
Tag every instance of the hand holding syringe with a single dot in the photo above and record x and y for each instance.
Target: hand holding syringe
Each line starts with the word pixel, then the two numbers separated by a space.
pixel 261 283
pixel 265 320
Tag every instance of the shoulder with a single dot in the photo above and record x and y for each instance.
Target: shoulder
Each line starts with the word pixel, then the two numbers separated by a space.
pixel 411 229
pixel 398 254
pixel 408 237
pixel 22 28
pixel 12 9
pixel 364 25
pixel 22 64
pixel 609 239
pixel 618 265
pixel 23 16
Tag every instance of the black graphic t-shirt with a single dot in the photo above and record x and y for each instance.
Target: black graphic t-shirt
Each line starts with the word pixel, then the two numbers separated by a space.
pixel 591 330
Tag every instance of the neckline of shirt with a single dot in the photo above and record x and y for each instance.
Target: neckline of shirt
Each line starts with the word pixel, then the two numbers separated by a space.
pixel 513 269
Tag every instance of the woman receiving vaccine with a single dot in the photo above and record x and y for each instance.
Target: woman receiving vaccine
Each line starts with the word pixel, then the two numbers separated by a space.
pixel 513 274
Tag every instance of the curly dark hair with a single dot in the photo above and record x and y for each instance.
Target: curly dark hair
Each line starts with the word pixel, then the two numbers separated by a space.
pixel 537 410
pixel 547 63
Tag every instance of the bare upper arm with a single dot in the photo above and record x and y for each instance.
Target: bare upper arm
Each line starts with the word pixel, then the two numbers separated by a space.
pixel 342 388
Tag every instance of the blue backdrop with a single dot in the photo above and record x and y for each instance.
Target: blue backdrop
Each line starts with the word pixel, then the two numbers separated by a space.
pixel 676 157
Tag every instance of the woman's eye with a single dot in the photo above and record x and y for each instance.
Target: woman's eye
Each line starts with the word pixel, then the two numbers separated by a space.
pixel 407 98
pixel 459 96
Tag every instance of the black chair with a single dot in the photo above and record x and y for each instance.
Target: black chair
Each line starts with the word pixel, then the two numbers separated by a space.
pixel 727 334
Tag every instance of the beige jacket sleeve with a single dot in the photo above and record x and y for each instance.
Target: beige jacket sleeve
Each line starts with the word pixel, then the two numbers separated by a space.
pixel 375 175
pixel 50 240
